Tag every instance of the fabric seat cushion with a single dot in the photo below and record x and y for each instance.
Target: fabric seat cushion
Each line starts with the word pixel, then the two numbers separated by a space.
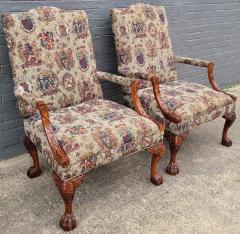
pixel 93 133
pixel 194 103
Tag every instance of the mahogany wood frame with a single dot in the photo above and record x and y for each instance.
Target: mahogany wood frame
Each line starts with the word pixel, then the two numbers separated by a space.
pixel 176 141
pixel 35 170
pixel 67 189
pixel 58 153
pixel 157 151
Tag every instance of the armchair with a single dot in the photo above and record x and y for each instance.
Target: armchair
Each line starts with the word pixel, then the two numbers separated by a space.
pixel 65 116
pixel 144 52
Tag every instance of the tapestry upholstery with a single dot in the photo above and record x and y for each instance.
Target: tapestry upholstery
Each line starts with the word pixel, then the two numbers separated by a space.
pixel 52 57
pixel 194 103
pixel 144 48
pixel 52 60
pixel 191 61
pixel 142 42
pixel 92 134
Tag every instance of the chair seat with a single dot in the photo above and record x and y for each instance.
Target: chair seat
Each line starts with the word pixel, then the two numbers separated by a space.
pixel 93 133
pixel 194 103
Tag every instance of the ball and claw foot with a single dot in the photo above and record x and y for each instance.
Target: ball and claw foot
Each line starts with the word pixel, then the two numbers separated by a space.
pixel 156 180
pixel 172 169
pixel 227 142
pixel 68 222
pixel 33 172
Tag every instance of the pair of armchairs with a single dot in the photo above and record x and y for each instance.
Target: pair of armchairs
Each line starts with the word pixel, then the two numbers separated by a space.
pixel 60 98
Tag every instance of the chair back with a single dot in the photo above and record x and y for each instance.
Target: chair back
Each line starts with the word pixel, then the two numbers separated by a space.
pixel 51 55
pixel 142 42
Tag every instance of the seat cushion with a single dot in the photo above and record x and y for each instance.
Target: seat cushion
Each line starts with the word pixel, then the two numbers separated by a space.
pixel 93 133
pixel 194 103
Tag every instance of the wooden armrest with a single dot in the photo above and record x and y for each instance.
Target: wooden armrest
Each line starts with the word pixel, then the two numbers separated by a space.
pixel 164 109
pixel 210 66
pixel 138 106
pixel 214 84
pixel 58 153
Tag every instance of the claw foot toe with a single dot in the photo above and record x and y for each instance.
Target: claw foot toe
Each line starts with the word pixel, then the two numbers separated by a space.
pixel 172 169
pixel 156 180
pixel 68 222
pixel 227 142
pixel 33 172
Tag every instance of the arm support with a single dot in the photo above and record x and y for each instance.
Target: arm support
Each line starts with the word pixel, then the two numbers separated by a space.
pixel 58 153
pixel 37 103
pixel 210 67
pixel 161 105
pixel 138 106
pixel 121 80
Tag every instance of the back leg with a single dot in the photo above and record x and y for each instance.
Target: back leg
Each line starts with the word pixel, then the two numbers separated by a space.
pixel 35 170
pixel 226 141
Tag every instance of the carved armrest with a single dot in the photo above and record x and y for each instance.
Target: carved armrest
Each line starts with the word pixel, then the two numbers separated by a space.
pixel 122 80
pixel 210 66
pixel 40 105
pixel 161 105
pixel 138 106
pixel 58 153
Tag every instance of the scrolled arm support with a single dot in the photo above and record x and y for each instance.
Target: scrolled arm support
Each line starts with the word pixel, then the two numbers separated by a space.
pixel 165 111
pixel 213 83
pixel 138 106
pixel 58 153
pixel 210 67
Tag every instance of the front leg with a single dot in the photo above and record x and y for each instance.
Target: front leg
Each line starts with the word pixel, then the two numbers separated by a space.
pixel 67 188
pixel 175 142
pixel 35 170
pixel 157 153
pixel 226 141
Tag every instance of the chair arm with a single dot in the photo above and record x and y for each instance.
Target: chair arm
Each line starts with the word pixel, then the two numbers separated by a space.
pixel 58 153
pixel 210 66
pixel 214 84
pixel 138 106
pixel 191 61
pixel 121 80
pixel 27 97
pixel 164 109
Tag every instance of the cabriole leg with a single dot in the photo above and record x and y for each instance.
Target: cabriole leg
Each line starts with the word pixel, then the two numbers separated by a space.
pixel 226 141
pixel 67 188
pixel 175 142
pixel 157 153
pixel 35 170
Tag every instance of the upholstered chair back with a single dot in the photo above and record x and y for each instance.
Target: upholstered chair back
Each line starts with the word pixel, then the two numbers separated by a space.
pixel 142 42
pixel 52 57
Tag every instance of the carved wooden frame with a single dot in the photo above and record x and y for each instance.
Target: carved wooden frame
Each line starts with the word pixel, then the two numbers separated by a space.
pixel 58 153
pixel 156 151
pixel 67 189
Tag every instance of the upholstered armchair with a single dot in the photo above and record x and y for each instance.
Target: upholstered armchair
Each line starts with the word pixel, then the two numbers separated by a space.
pixel 144 52
pixel 65 116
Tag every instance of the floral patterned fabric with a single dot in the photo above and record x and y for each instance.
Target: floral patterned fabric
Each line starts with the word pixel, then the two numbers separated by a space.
pixel 142 42
pixel 191 61
pixel 194 103
pixel 92 134
pixel 52 56
pixel 144 48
